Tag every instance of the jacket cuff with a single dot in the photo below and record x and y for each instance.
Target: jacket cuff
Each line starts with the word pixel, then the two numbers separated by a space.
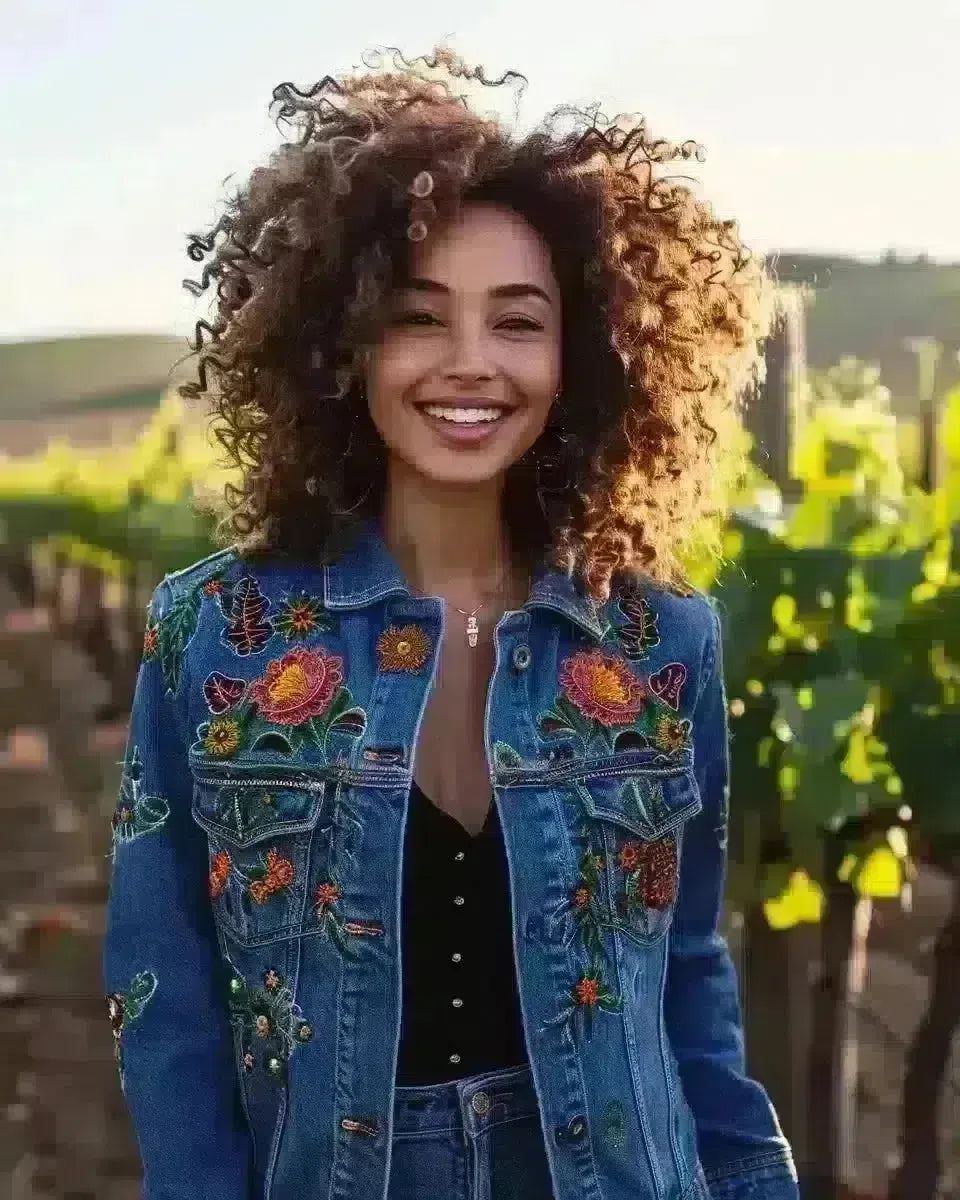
pixel 768 1176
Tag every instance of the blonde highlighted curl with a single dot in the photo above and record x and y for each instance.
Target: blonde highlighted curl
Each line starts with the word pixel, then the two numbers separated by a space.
pixel 664 315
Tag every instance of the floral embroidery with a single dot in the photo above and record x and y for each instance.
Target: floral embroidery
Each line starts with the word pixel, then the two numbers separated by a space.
pixel 151 641
pixel 267 1022
pixel 670 734
pixel 403 648
pixel 302 692
pixel 213 587
pixel 302 615
pixel 136 814
pixel 124 1008
pixel 639 635
pixel 325 895
pixel 667 684
pixel 245 608
pixel 222 738
pixel 219 873
pixel 651 874
pixel 298 686
pixel 221 691
pixel 275 874
pixel 602 688
pixel 587 995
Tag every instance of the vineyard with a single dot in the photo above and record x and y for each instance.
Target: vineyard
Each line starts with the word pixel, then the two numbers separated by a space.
pixel 840 598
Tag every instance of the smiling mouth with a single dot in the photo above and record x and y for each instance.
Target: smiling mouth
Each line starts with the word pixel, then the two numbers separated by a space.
pixel 487 414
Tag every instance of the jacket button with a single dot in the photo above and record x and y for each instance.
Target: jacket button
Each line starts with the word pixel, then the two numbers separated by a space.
pixel 521 657
pixel 572 1132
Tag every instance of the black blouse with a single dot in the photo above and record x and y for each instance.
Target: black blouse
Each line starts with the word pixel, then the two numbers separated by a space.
pixel 461 1011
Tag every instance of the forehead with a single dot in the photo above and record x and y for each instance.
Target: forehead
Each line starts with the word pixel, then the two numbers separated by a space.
pixel 485 246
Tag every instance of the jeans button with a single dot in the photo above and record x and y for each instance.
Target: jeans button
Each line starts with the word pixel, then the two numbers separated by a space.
pixel 521 657
pixel 480 1103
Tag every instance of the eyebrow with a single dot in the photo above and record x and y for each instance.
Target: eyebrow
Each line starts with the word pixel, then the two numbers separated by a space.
pixel 504 291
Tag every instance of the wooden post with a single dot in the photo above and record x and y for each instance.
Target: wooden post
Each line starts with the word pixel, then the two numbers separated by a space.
pixel 772 415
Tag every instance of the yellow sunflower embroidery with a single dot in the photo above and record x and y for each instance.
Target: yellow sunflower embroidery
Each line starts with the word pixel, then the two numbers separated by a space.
pixel 223 737
pixel 403 648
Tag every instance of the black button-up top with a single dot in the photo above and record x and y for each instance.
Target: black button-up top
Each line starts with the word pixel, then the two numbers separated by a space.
pixel 461 1010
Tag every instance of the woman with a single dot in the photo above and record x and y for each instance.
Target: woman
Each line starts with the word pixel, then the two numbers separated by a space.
pixel 419 852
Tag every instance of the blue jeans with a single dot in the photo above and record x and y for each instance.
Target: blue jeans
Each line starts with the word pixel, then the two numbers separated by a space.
pixel 472 1139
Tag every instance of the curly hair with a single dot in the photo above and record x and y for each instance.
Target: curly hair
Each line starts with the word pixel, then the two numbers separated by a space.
pixel 664 314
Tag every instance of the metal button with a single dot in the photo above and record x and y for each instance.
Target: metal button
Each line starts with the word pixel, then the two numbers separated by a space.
pixel 521 657
pixel 480 1103
pixel 458 857
pixel 456 956
pixel 572 1132
pixel 457 1002
pixel 458 900
pixel 454 1058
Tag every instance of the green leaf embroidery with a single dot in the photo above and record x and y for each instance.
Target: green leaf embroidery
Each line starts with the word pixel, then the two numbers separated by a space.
pixel 177 627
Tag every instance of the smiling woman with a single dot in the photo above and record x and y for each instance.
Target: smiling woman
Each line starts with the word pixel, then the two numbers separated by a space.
pixel 434 757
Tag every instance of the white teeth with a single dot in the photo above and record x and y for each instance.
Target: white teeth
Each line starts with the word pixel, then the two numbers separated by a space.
pixel 463 416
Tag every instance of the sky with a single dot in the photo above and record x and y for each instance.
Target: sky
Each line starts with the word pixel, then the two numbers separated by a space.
pixel 828 126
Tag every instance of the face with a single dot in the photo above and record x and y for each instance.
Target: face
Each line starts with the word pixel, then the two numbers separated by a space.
pixel 463 377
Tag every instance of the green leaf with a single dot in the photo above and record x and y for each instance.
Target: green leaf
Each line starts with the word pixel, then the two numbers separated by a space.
pixel 177 627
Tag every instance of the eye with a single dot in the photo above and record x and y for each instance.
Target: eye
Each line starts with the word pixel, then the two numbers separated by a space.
pixel 414 318
pixel 521 323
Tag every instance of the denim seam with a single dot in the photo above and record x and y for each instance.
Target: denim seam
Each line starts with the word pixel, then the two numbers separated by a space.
pixel 747 1166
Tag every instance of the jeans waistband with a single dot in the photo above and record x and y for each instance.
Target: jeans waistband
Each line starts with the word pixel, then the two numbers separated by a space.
pixel 472 1104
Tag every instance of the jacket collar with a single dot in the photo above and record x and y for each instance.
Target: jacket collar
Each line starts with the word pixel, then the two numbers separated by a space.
pixel 366 571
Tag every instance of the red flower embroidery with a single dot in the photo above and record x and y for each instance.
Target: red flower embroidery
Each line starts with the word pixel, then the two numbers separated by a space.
pixel 326 894
pixel 213 587
pixel 630 855
pixel 298 686
pixel 587 991
pixel 602 687
pixel 652 871
pixel 219 873
pixel 581 897
pixel 151 639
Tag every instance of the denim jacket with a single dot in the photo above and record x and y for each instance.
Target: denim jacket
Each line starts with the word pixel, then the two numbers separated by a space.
pixel 252 951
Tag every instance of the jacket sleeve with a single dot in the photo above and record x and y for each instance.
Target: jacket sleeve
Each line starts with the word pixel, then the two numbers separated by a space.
pixel 162 968
pixel 743 1151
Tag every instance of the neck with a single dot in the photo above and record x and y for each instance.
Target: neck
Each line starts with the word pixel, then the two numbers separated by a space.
pixel 448 540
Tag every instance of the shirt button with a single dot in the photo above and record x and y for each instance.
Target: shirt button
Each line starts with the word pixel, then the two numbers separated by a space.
pixel 456 956
pixel 454 1058
pixel 457 1002
pixel 458 900
pixel 458 857
pixel 521 657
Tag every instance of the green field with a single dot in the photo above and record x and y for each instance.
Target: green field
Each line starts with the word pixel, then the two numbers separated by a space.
pixel 861 308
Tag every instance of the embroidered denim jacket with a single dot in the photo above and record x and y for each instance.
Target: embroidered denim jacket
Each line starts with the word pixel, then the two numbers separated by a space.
pixel 252 951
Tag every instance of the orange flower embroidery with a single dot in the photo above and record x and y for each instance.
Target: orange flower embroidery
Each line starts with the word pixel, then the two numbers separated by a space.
pixel 298 686
pixel 602 687
pixel 151 639
pixel 581 897
pixel 279 874
pixel 213 587
pixel 403 648
pixel 587 991
pixel 219 873
pixel 325 895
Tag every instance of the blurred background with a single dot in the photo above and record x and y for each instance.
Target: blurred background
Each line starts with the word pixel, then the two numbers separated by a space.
pixel 830 133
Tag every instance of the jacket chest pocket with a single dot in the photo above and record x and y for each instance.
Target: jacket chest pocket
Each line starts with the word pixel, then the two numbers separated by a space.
pixel 260 830
pixel 631 829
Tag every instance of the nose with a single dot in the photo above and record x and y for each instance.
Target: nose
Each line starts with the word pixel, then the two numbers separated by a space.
pixel 468 358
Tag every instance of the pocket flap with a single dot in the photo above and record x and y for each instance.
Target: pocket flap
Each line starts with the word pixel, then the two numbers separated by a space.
pixel 245 811
pixel 648 803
